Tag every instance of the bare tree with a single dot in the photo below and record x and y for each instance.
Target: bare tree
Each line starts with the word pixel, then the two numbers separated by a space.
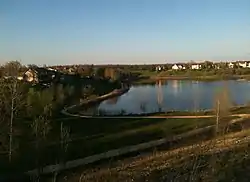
pixel 64 143
pixel 11 98
pixel 39 108
pixel 222 108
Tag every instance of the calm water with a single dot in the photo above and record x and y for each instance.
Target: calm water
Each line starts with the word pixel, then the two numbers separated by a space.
pixel 175 95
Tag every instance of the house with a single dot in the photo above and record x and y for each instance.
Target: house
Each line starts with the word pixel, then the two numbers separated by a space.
pixel 39 75
pixel 30 76
pixel 195 66
pixel 159 68
pixel 244 65
pixel 230 65
pixel 178 67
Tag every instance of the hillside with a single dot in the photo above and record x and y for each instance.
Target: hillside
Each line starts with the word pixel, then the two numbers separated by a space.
pixel 225 158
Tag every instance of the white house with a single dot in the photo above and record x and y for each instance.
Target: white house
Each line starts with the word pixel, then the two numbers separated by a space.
pixel 159 68
pixel 195 66
pixel 178 67
pixel 244 65
pixel 230 65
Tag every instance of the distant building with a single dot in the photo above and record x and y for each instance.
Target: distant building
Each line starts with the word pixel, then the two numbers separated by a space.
pixel 159 68
pixel 230 65
pixel 30 76
pixel 195 66
pixel 178 67
pixel 39 75
pixel 244 65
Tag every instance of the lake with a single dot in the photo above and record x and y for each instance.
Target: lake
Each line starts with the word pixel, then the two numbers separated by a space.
pixel 176 95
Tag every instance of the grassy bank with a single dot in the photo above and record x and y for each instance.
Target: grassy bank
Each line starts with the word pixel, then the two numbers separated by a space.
pixel 150 77
pixel 153 79
pixel 224 158
pixel 208 112
pixel 93 136
pixel 234 110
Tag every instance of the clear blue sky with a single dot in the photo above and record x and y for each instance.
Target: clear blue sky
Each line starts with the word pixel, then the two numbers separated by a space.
pixel 123 31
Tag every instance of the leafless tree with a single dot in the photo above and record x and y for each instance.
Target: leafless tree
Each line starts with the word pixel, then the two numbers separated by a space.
pixel 64 143
pixel 222 108
pixel 39 108
pixel 11 98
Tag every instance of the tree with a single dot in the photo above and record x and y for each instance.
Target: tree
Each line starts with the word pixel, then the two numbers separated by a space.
pixel 40 105
pixel 85 71
pixel 222 108
pixel 32 66
pixel 207 65
pixel 112 74
pixel 11 98
pixel 100 72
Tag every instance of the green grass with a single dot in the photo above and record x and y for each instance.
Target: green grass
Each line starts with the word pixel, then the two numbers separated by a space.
pixel 93 136
pixel 241 110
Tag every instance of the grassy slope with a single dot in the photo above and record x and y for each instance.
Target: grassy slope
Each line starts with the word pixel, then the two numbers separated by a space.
pixel 109 134
pixel 92 136
pixel 225 158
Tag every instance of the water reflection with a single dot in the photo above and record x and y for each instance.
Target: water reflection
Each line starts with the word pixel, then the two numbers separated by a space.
pixel 176 86
pixel 176 95
pixel 159 95
pixel 143 107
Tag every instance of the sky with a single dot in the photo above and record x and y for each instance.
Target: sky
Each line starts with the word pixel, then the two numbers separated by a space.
pixel 123 31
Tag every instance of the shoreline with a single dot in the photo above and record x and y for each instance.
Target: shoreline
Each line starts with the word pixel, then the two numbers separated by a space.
pixel 114 93
pixel 153 79
pixel 74 110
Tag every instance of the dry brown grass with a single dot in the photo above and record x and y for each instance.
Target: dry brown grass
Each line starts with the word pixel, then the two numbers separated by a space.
pixel 197 162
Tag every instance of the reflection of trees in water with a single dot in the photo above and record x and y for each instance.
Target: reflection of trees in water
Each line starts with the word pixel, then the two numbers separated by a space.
pixel 102 112
pixel 159 95
pixel 143 106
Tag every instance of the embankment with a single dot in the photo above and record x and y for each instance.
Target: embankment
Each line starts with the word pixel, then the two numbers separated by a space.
pixel 74 108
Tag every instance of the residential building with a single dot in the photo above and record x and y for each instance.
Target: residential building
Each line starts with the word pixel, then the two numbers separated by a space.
pixel 195 66
pixel 178 67
pixel 159 68
pixel 230 65
pixel 30 76
pixel 39 75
